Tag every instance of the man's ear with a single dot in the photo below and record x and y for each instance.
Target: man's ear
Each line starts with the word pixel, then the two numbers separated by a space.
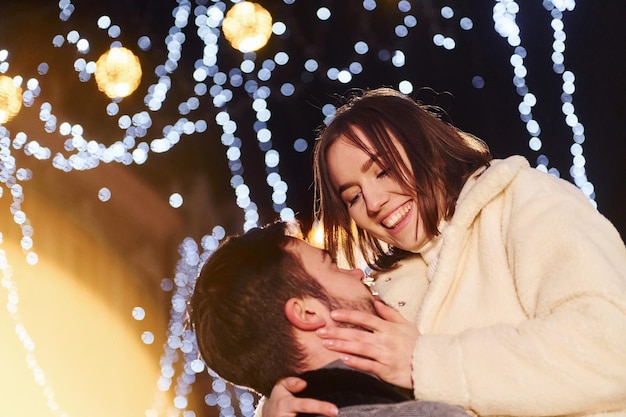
pixel 303 313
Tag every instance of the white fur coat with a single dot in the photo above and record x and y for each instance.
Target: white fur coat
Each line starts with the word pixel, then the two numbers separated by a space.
pixel 521 301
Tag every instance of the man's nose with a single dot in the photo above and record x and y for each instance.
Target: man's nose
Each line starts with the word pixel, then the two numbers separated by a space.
pixel 357 273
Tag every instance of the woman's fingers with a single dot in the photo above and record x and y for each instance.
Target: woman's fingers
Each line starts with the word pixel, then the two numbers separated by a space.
pixel 353 348
pixel 370 321
pixel 389 313
pixel 358 318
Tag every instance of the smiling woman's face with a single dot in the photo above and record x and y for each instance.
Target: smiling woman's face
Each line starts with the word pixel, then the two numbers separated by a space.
pixel 374 199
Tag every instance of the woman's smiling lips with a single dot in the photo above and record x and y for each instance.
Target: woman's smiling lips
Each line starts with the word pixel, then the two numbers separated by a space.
pixel 393 219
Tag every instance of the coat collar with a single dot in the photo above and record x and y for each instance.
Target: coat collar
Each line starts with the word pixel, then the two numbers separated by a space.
pixel 347 387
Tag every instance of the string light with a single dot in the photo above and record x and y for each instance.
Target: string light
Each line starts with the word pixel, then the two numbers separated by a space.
pixel 577 170
pixel 504 17
pixel 20 330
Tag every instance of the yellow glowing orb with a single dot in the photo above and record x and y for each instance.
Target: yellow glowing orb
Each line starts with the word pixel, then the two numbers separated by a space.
pixel 247 26
pixel 315 237
pixel 118 72
pixel 10 99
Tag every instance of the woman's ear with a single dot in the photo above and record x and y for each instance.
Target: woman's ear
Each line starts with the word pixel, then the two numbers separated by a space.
pixel 304 314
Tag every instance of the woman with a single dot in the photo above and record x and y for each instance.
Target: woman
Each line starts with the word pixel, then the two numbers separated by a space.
pixel 515 283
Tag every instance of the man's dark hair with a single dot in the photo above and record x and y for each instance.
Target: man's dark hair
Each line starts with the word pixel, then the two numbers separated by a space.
pixel 237 308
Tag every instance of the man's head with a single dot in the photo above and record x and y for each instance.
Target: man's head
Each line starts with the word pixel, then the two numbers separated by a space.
pixel 255 298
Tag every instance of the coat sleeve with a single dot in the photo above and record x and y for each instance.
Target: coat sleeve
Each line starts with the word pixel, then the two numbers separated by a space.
pixel 404 409
pixel 569 355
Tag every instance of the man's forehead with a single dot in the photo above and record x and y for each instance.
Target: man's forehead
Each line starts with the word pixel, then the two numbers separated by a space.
pixel 293 243
pixel 305 251
pixel 298 245
pixel 295 246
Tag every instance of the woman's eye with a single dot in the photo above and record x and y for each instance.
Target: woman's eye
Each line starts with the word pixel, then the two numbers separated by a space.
pixel 353 200
pixel 382 173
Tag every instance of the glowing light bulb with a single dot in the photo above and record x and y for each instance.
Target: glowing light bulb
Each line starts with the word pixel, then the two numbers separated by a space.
pixel 10 99
pixel 315 236
pixel 118 72
pixel 247 26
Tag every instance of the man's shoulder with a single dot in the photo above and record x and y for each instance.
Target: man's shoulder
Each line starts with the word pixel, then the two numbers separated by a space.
pixel 412 408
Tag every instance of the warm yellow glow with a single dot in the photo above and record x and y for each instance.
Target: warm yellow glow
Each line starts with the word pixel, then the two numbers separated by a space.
pixel 92 356
pixel 118 72
pixel 316 235
pixel 10 99
pixel 247 26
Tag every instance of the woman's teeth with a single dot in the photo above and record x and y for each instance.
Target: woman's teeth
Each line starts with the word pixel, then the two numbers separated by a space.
pixel 393 219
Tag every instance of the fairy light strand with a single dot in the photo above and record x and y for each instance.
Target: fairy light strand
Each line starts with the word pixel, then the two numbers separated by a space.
pixel 28 344
pixel 577 170
pixel 504 17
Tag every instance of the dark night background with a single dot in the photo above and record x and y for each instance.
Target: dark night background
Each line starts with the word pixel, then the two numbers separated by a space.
pixel 593 54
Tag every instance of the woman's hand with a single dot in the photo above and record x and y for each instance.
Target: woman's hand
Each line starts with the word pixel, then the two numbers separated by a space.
pixel 282 403
pixel 386 350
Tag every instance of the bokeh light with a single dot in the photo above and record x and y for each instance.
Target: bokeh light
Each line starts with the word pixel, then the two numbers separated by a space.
pixel 118 72
pixel 10 98
pixel 247 26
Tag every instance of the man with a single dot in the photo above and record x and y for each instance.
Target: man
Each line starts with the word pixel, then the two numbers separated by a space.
pixel 256 307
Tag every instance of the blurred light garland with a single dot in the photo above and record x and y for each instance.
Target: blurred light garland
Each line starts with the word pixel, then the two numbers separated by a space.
pixel 221 83
pixel 504 17
pixel 20 330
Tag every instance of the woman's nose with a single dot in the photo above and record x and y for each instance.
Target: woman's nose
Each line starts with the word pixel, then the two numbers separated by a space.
pixel 374 199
